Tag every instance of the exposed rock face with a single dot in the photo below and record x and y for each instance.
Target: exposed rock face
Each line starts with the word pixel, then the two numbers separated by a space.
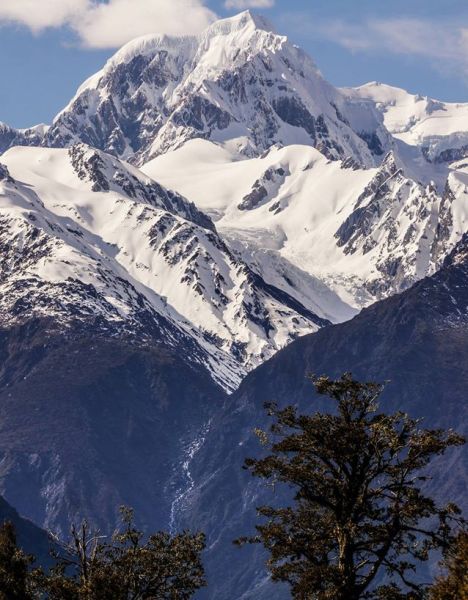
pixel 241 84
pixel 448 155
pixel 264 188
pixel 411 224
pixel 364 233
pixel 126 314
pixel 158 92
pixel 436 129
pixel 136 259
pixel 4 174
pixel 106 175
pixel 9 136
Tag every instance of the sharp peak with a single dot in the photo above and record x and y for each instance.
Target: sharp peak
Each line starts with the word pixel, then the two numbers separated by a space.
pixel 245 23
pixel 242 20
pixel 147 44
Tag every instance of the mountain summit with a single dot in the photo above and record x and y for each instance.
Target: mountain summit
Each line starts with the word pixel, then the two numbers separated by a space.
pixel 240 22
pixel 238 83
pixel 201 203
pixel 270 202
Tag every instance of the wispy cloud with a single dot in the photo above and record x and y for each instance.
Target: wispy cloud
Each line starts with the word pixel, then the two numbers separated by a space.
pixel 110 24
pixel 242 4
pixel 114 23
pixel 443 42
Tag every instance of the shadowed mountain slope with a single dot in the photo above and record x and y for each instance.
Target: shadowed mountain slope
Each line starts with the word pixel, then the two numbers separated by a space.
pixel 418 341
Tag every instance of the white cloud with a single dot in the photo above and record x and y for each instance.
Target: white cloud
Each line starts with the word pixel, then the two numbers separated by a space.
pixel 113 24
pixel 444 43
pixel 242 4
pixel 400 36
pixel 39 14
pixel 110 24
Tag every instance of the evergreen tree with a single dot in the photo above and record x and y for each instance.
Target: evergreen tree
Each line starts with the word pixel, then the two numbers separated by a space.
pixel 14 567
pixel 164 567
pixel 453 585
pixel 358 511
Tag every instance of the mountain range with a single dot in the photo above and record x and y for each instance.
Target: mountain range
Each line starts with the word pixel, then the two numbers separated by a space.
pixel 206 221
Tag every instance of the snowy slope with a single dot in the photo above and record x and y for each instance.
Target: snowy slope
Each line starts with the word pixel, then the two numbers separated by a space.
pixel 440 129
pixel 363 233
pixel 323 200
pixel 238 83
pixel 241 84
pixel 85 233
pixel 211 199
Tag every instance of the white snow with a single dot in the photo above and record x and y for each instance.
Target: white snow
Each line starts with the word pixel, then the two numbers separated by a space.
pixel 184 270
pixel 417 120
pixel 335 226
pixel 238 66
pixel 299 221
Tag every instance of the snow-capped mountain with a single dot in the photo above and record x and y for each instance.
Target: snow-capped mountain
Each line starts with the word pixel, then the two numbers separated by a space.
pixel 306 202
pixel 238 83
pixel 86 235
pixel 438 128
pixel 241 84
pixel 200 204
pixel 300 218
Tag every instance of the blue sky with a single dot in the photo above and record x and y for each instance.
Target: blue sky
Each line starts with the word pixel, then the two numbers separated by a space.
pixel 48 47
